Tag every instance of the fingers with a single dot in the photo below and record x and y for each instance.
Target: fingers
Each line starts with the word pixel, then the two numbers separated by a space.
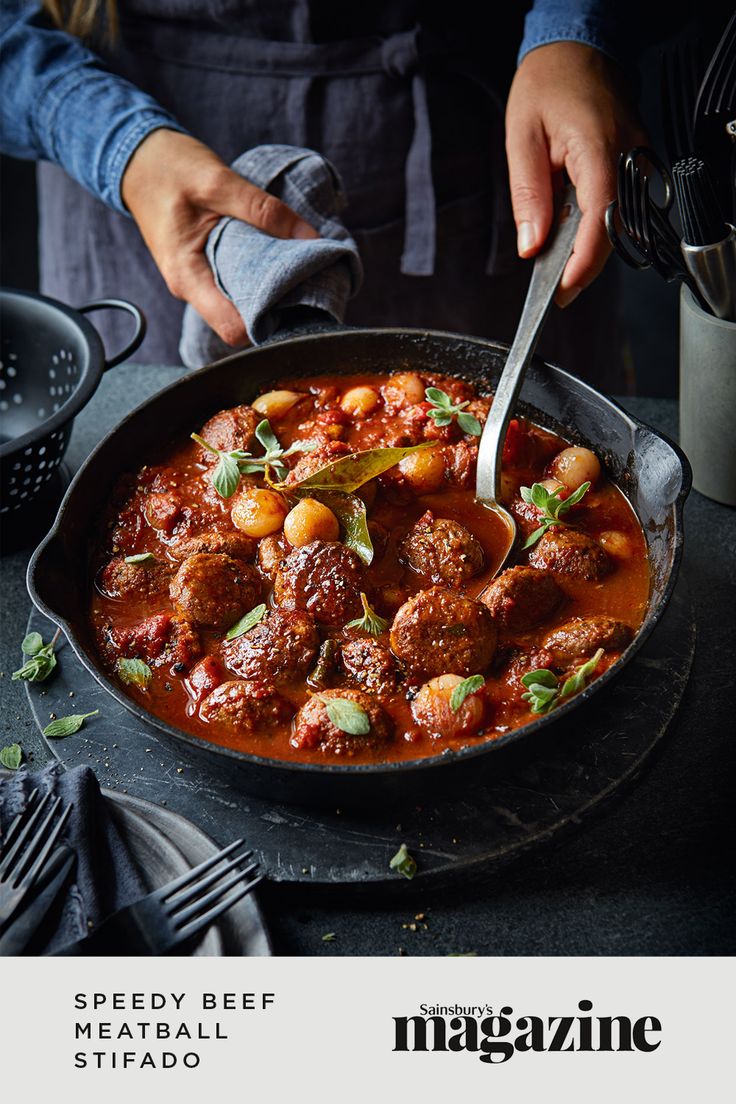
pixel 197 287
pixel 530 181
pixel 231 195
pixel 594 180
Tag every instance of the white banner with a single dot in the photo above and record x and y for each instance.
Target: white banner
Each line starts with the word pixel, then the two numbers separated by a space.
pixel 567 1030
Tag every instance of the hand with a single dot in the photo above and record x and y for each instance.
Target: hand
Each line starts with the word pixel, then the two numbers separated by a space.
pixel 567 109
pixel 177 190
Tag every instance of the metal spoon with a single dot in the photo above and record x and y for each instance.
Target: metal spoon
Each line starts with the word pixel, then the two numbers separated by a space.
pixel 546 274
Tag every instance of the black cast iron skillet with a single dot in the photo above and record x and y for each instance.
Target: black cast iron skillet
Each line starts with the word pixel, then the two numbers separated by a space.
pixel 651 471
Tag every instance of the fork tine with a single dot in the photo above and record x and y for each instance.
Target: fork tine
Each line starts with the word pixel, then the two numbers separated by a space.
pixel 6 842
pixel 33 873
pixel 208 918
pixel 192 875
pixel 18 848
pixel 181 898
pixel 181 916
pixel 26 859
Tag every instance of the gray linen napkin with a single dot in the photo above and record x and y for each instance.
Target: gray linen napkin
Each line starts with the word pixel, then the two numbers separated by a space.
pixel 265 276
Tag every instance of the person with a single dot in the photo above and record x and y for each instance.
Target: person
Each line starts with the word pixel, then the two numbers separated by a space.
pixel 135 108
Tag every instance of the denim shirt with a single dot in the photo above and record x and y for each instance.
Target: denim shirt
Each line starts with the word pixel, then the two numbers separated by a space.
pixel 59 103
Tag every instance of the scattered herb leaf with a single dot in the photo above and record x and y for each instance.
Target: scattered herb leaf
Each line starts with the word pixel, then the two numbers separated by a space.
pixel 444 410
pixel 134 671
pixel 246 623
pixel 41 659
pixel 329 937
pixel 32 644
pixel 67 726
pixel 550 506
pixel 370 622
pixel 141 557
pixel 464 689
pixel 348 716
pixel 350 472
pixel 11 756
pixel 404 863
pixel 543 690
pixel 463 954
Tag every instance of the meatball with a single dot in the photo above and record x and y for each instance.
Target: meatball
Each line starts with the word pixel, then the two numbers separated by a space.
pixel 439 631
pixel 245 707
pixel 432 709
pixel 370 665
pixel 163 510
pixel 280 648
pixel 135 580
pixel 229 430
pixel 314 729
pixel 580 637
pixel 324 578
pixel 461 461
pixel 235 545
pixel 441 550
pixel 159 639
pixel 318 458
pixel 213 589
pixel 571 553
pixel 522 597
pixel 271 551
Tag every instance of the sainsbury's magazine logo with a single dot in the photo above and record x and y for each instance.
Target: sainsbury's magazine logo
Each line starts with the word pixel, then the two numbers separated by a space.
pixel 497 1036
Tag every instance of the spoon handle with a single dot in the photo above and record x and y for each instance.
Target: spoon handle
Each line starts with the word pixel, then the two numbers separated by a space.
pixel 546 274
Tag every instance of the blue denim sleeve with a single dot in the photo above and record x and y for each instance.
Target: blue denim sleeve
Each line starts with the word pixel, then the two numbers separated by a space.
pixel 59 103
pixel 599 23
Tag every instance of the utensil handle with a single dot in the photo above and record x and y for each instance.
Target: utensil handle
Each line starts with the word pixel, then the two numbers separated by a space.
pixel 546 274
pixel 140 326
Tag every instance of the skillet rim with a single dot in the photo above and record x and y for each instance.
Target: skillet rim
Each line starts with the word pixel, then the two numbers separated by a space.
pixel 406 766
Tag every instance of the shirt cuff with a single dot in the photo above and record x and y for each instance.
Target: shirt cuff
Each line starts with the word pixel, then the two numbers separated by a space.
pixel 544 26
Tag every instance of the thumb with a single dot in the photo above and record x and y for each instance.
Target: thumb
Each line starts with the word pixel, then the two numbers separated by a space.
pixel 530 182
pixel 242 200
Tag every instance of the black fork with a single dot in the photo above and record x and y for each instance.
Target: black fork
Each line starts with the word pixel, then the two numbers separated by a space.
pixel 176 913
pixel 26 849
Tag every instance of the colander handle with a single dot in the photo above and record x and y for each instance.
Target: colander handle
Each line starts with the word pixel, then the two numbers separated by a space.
pixel 140 326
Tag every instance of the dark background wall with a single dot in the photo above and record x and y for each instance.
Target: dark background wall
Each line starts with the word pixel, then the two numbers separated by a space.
pixel 650 306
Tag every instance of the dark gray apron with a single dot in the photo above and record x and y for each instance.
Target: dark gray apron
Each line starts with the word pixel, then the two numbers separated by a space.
pixel 413 125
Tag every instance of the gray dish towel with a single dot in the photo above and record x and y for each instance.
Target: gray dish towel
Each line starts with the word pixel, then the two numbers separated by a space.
pixel 264 276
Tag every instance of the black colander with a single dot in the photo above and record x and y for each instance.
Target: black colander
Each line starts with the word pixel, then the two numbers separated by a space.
pixel 51 362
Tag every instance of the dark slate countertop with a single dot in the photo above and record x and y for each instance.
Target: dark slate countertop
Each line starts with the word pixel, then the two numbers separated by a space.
pixel 652 874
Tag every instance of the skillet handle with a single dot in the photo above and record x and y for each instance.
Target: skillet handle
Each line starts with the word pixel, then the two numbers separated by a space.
pixel 140 326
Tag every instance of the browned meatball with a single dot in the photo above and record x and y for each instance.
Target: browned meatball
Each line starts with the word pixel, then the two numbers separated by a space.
pixel 212 589
pixel 236 545
pixel 271 551
pixel 245 707
pixel 580 637
pixel 324 578
pixel 163 510
pixel 314 729
pixel 461 461
pixel 522 597
pixel 571 553
pixel 439 631
pixel 135 580
pixel 229 430
pixel 319 458
pixel 280 648
pixel 441 550
pixel 370 664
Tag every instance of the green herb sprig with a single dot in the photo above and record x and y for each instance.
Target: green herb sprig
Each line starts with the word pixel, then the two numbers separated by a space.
pixel 444 410
pixel 464 689
pixel 370 622
pixel 403 862
pixel 140 558
pixel 67 726
pixel 543 690
pixel 41 659
pixel 550 505
pixel 135 672
pixel 246 623
pixel 11 756
pixel 231 465
pixel 348 716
